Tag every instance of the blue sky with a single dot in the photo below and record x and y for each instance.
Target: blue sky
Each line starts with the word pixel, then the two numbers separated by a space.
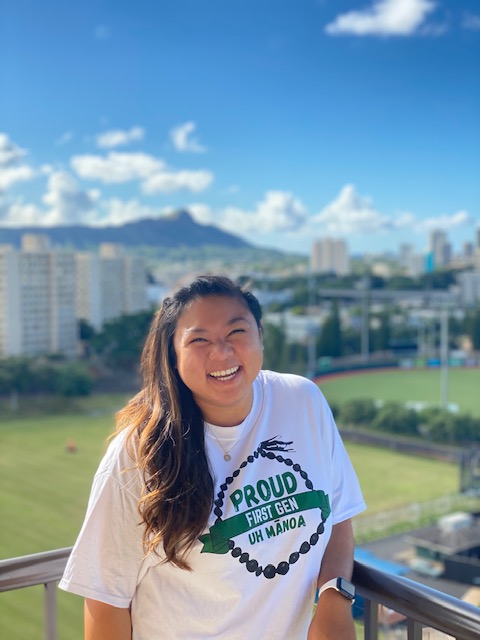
pixel 279 120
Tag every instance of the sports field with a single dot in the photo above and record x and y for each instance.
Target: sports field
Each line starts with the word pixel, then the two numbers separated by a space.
pixel 406 385
pixel 44 491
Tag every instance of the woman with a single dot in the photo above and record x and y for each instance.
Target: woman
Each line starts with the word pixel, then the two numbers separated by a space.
pixel 226 496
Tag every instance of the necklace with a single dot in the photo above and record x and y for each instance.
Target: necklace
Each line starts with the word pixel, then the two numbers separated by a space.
pixel 226 452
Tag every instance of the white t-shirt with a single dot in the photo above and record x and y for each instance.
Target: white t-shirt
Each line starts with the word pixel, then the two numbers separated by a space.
pixel 254 571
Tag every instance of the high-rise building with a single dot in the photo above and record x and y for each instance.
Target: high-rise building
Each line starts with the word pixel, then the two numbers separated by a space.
pixel 440 248
pixel 37 301
pixel 330 256
pixel 412 261
pixel 110 284
pixel 468 250
pixel 469 282
pixel 43 293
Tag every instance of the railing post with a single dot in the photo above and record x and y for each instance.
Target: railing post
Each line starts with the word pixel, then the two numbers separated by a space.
pixel 50 611
pixel 414 630
pixel 370 620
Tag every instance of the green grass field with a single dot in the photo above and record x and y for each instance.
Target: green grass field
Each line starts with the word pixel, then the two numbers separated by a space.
pixel 44 491
pixel 417 385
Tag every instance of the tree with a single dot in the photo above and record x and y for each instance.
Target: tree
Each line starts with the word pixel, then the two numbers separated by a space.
pixel 395 418
pixel 85 330
pixel 330 339
pixel 73 380
pixel 275 348
pixel 473 328
pixel 121 340
pixel 381 337
pixel 359 412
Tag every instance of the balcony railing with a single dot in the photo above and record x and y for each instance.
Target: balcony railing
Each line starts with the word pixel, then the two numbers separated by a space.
pixel 421 606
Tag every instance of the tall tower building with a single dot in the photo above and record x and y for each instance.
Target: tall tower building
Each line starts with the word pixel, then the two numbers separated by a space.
pixel 110 284
pixel 37 301
pixel 330 256
pixel 440 248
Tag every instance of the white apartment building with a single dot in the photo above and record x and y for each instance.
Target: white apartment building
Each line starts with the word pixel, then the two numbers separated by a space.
pixel 330 256
pixel 469 283
pixel 37 300
pixel 43 293
pixel 109 284
pixel 411 261
pixel 440 248
pixel 135 280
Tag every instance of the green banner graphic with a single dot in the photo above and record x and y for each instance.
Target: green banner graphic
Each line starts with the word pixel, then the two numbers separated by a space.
pixel 217 540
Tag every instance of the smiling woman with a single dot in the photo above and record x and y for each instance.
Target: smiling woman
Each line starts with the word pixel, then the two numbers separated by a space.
pixel 218 346
pixel 243 486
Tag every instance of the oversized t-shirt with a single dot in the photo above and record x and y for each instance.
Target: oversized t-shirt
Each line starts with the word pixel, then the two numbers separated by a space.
pixel 255 568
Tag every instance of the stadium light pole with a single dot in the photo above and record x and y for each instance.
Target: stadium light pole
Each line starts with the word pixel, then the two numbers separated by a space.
pixel 312 355
pixel 444 357
pixel 365 347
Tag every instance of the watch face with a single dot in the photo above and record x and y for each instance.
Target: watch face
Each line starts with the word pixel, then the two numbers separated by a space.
pixel 346 587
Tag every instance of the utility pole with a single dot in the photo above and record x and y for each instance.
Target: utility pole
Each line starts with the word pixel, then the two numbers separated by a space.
pixel 312 355
pixel 365 319
pixel 444 357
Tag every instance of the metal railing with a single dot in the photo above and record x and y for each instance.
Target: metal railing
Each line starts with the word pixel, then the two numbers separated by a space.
pixel 421 605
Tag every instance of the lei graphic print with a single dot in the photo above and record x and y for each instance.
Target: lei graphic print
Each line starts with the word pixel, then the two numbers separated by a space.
pixel 273 506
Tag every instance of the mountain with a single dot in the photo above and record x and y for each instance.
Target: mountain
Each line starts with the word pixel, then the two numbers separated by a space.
pixel 176 230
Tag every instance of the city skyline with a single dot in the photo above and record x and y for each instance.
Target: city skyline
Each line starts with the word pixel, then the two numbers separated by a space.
pixel 279 122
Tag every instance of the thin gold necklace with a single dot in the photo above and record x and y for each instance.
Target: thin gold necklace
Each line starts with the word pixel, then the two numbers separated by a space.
pixel 226 452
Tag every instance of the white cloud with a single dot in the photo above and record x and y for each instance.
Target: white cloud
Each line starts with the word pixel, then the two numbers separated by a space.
pixel 202 213
pixel 279 211
pixel 471 21
pixel 183 141
pixel 10 171
pixel 404 220
pixel 117 137
pixel 170 181
pixel 445 222
pixel 407 220
pixel 153 174
pixel 19 214
pixel 68 203
pixel 118 212
pixel 383 18
pixel 351 213
pixel 10 175
pixel 116 167
pixel 10 153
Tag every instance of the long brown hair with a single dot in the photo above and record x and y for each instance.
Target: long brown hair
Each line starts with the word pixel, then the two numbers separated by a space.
pixel 166 428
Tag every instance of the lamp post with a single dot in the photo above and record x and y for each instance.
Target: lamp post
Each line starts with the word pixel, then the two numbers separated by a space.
pixel 365 284
pixel 444 357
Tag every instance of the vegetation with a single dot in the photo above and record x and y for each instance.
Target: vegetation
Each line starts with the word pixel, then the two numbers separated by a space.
pixel 329 342
pixel 377 401
pixel 473 328
pixel 20 375
pixel 120 343
pixel 281 355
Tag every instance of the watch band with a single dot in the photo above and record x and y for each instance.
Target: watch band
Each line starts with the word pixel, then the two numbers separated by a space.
pixel 342 585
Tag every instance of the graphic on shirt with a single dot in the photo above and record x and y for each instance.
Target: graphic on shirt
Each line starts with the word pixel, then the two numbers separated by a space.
pixel 272 507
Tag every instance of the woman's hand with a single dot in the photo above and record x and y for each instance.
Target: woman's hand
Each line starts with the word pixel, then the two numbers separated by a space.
pixel 333 618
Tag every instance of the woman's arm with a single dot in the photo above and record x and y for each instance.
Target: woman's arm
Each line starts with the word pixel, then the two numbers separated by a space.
pixel 333 617
pixel 104 622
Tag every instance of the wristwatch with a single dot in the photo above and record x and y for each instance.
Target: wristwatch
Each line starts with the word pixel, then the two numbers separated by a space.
pixel 343 586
